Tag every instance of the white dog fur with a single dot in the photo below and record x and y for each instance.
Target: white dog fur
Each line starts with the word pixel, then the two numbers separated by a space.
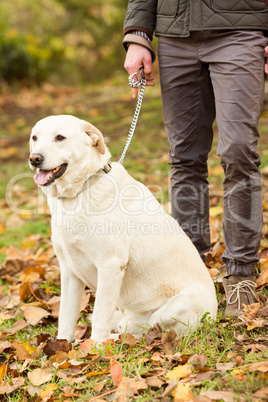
pixel 110 234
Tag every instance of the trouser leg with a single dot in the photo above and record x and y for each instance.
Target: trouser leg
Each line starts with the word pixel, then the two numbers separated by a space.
pixel 188 112
pixel 237 73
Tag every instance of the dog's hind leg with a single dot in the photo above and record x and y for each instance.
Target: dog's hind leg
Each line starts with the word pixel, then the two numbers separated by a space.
pixel 72 290
pixel 184 311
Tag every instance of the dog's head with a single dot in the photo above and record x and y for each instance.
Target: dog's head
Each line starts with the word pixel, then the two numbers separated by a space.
pixel 64 144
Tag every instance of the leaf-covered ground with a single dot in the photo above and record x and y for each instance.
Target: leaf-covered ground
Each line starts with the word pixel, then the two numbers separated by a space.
pixel 226 360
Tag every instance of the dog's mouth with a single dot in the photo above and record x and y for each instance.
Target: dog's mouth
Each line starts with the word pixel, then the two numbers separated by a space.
pixel 47 177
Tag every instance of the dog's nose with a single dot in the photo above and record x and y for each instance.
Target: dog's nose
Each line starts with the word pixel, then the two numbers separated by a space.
pixel 36 159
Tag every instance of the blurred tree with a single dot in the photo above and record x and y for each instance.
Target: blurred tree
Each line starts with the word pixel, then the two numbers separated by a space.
pixel 53 39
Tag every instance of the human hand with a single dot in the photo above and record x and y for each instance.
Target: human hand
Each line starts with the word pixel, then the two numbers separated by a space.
pixel 136 58
pixel 266 61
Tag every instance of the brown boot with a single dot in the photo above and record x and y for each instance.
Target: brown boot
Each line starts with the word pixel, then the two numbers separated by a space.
pixel 239 290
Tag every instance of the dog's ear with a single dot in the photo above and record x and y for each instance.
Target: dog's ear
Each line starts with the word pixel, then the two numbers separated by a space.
pixel 96 136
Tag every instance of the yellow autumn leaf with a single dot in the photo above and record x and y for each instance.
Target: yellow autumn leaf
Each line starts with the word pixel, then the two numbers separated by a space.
pixel 3 371
pixel 28 347
pixel 94 373
pixel 179 372
pixel 47 393
pixel 182 392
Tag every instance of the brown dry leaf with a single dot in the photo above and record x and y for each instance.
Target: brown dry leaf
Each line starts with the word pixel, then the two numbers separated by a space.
pixel 21 352
pixel 128 339
pixel 201 377
pixel 32 273
pixel 259 366
pixel 168 341
pixel 33 391
pixel 255 346
pixel 58 345
pixel 81 330
pixel 7 388
pixel 87 347
pixel 153 333
pixel 39 376
pixel 261 394
pixel 262 280
pixel 226 396
pixel 25 291
pixel 154 382
pixel 133 384
pixel 4 317
pixel 45 394
pixel 34 314
pixel 116 372
pixel 224 366
pixel 85 301
pixel 198 360
pixel 5 345
pixel 18 325
pixel 182 393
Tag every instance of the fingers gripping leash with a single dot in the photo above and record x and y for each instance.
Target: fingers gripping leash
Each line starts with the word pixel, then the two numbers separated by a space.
pixel 135 80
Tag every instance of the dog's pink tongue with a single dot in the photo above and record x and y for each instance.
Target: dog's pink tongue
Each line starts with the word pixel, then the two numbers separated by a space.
pixel 42 177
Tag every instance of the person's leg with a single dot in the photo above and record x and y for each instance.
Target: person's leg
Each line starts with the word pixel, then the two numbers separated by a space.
pixel 188 112
pixel 237 73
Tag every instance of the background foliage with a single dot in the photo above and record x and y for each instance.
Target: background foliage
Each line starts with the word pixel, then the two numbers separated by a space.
pixel 56 39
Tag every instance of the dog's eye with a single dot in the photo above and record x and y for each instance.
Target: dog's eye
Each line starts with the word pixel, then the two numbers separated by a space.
pixel 34 138
pixel 59 137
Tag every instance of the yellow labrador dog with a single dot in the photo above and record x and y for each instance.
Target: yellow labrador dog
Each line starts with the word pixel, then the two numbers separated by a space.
pixel 110 234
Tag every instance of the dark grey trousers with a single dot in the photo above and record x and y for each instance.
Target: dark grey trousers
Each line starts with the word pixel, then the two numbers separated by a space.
pixel 216 74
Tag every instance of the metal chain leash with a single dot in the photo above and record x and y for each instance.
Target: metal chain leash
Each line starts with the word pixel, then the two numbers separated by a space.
pixel 141 81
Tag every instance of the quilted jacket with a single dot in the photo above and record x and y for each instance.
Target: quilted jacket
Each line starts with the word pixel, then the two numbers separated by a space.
pixel 178 17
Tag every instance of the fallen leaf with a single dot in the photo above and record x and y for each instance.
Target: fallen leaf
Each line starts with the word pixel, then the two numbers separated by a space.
pixel 168 341
pixel 58 345
pixel 202 377
pixel 7 388
pixel 39 376
pixel 81 330
pixel 116 372
pixel 21 352
pixel 179 372
pixel 96 373
pixel 18 325
pixel 153 333
pixel 34 314
pixel 198 360
pixel 128 339
pixel 154 382
pixel 226 396
pixel 33 391
pixel 261 394
pixel 5 345
pixel 25 291
pixel 3 371
pixel 259 366
pixel 4 317
pixel 88 346
pixel 224 366
pixel 46 393
pixel 262 280
pixel 182 393
pixel 29 348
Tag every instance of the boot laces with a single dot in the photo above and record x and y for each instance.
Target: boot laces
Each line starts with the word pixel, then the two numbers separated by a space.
pixel 245 286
